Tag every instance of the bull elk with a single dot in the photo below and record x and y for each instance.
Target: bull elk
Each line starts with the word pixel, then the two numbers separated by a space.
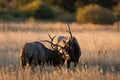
pixel 35 53
pixel 71 47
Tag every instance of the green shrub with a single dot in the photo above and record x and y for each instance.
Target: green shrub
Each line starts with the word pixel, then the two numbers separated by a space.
pixel 30 9
pixel 44 12
pixel 95 14
pixel 116 10
pixel 64 16
pixel 11 15
pixel 37 9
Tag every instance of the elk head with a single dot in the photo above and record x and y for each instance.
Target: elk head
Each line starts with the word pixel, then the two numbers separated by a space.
pixel 71 46
pixel 56 47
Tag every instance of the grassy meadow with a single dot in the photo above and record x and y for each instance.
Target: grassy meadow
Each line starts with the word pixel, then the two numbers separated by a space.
pixel 100 46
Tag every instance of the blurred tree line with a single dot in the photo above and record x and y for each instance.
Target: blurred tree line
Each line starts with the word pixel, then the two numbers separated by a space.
pixel 81 11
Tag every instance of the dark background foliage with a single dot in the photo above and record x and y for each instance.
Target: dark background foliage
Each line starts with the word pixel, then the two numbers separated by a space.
pixel 60 10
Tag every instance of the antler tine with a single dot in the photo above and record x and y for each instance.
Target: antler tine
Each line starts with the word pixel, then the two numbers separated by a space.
pixel 69 30
pixel 45 41
pixel 51 42
pixel 51 37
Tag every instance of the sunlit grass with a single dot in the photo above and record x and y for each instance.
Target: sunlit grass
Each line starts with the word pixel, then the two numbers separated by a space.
pixel 51 26
pixel 11 73
pixel 100 59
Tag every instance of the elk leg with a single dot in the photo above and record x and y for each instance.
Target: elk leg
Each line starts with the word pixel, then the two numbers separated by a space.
pixel 60 68
pixel 30 61
pixel 75 66
pixel 23 62
pixel 42 65
pixel 68 65
pixel 34 63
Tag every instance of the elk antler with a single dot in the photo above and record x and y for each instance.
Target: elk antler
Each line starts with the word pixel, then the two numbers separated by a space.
pixel 69 30
pixel 52 45
pixel 51 42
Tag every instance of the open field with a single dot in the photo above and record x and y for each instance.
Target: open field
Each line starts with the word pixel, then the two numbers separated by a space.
pixel 57 26
pixel 100 59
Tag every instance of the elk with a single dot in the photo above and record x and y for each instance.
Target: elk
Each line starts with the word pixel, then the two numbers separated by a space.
pixel 71 47
pixel 35 53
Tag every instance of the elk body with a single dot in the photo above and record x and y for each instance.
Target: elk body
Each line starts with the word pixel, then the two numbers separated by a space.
pixel 74 52
pixel 35 53
pixel 71 47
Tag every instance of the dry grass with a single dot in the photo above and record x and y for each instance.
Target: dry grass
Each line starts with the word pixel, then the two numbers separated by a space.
pixel 100 58
pixel 83 74
pixel 58 26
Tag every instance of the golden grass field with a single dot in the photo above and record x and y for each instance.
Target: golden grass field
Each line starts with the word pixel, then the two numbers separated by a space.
pixel 100 59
